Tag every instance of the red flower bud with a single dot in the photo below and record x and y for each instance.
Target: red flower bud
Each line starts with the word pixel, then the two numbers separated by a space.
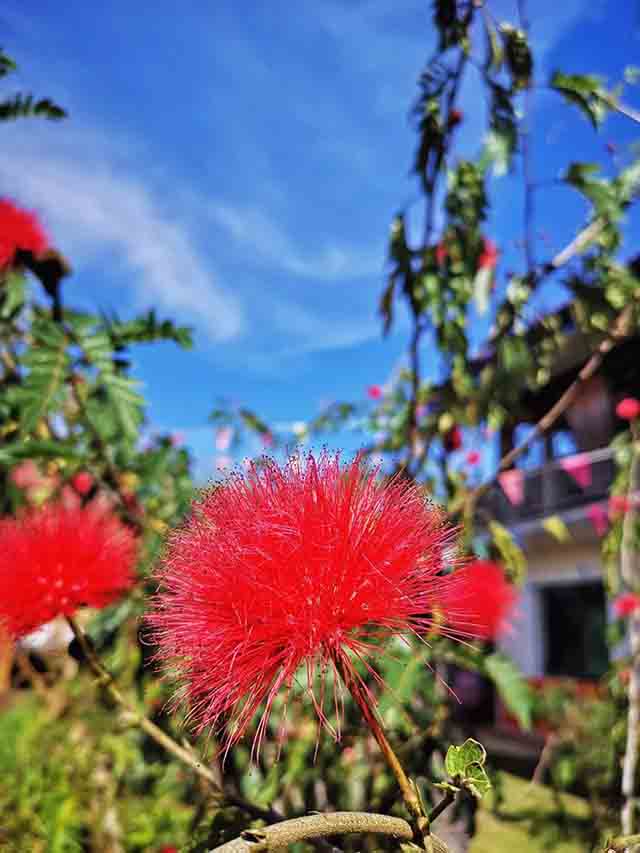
pixel 628 409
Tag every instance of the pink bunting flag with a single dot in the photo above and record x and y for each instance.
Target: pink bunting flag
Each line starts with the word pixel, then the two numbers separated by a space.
pixel 599 518
pixel 512 483
pixel 578 467
pixel 223 438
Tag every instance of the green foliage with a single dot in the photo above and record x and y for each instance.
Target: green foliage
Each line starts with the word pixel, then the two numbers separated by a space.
pixel 465 766
pixel 586 91
pixel 512 688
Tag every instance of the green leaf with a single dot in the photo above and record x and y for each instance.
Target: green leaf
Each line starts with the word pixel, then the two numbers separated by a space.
pixel 25 106
pixel 122 396
pixel 585 91
pixel 465 765
pixel 12 294
pixel 511 553
pixel 518 56
pixel 494 52
pixel 7 65
pixel 514 691
pixel 47 364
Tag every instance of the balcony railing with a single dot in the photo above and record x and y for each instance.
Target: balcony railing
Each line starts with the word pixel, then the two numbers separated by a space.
pixel 552 489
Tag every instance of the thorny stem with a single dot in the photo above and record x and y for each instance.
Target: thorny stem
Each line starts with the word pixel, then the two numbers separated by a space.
pixel 629 573
pixel 106 680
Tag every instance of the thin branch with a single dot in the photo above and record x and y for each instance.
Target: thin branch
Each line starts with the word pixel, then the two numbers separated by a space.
pixel 629 573
pixel 445 802
pixel 621 330
pixel 187 756
pixel 280 835
pixel 527 171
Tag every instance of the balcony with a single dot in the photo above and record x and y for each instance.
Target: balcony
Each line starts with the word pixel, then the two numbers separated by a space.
pixel 551 489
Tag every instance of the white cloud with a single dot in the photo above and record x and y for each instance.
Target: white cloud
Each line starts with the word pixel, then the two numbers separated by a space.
pixel 251 227
pixel 315 332
pixel 91 208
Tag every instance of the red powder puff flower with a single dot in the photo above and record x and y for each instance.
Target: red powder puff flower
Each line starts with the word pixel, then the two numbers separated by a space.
pixel 489 255
pixel 374 392
pixel 626 604
pixel 82 482
pixel 300 566
pixel 26 475
pixel 619 505
pixel 19 230
pixel 452 440
pixel 628 409
pixel 483 601
pixel 55 559
pixel 441 253
pixel 473 457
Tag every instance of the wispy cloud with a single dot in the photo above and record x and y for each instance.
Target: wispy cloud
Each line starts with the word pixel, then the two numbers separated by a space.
pixel 253 228
pixel 93 209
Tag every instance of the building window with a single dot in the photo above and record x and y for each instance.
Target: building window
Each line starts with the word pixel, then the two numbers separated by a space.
pixel 575 625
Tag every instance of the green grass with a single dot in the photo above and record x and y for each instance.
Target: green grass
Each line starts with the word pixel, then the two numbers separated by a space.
pixel 530 820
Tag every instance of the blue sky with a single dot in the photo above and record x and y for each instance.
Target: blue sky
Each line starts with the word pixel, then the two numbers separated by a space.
pixel 238 165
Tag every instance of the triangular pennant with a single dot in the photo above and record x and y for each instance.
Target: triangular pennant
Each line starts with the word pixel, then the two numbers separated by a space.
pixel 223 438
pixel 578 467
pixel 556 527
pixel 599 518
pixel 512 483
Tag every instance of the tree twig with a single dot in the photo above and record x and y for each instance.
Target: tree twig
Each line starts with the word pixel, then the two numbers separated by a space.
pixel 629 573
pixel 280 835
pixel 621 330
pixel 187 756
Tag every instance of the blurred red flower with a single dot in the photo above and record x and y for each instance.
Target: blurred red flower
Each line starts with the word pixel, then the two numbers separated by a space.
pixel 483 601
pixel 302 565
pixel 489 255
pixel 441 253
pixel 473 457
pixel 374 392
pixel 55 559
pixel 19 230
pixel 628 409
pixel 455 117
pixel 82 482
pixel 452 440
pixel 626 604
pixel 26 475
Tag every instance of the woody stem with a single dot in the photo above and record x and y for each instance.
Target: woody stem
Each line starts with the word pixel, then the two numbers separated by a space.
pixel 409 793
pixel 187 756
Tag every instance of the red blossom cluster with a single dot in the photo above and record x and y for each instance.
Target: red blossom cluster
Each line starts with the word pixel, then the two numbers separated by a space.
pixel 455 117
pixel 20 230
pixel 626 604
pixel 55 559
pixel 452 439
pixel 306 565
pixel 482 602
pixel 628 409
pixel 489 256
